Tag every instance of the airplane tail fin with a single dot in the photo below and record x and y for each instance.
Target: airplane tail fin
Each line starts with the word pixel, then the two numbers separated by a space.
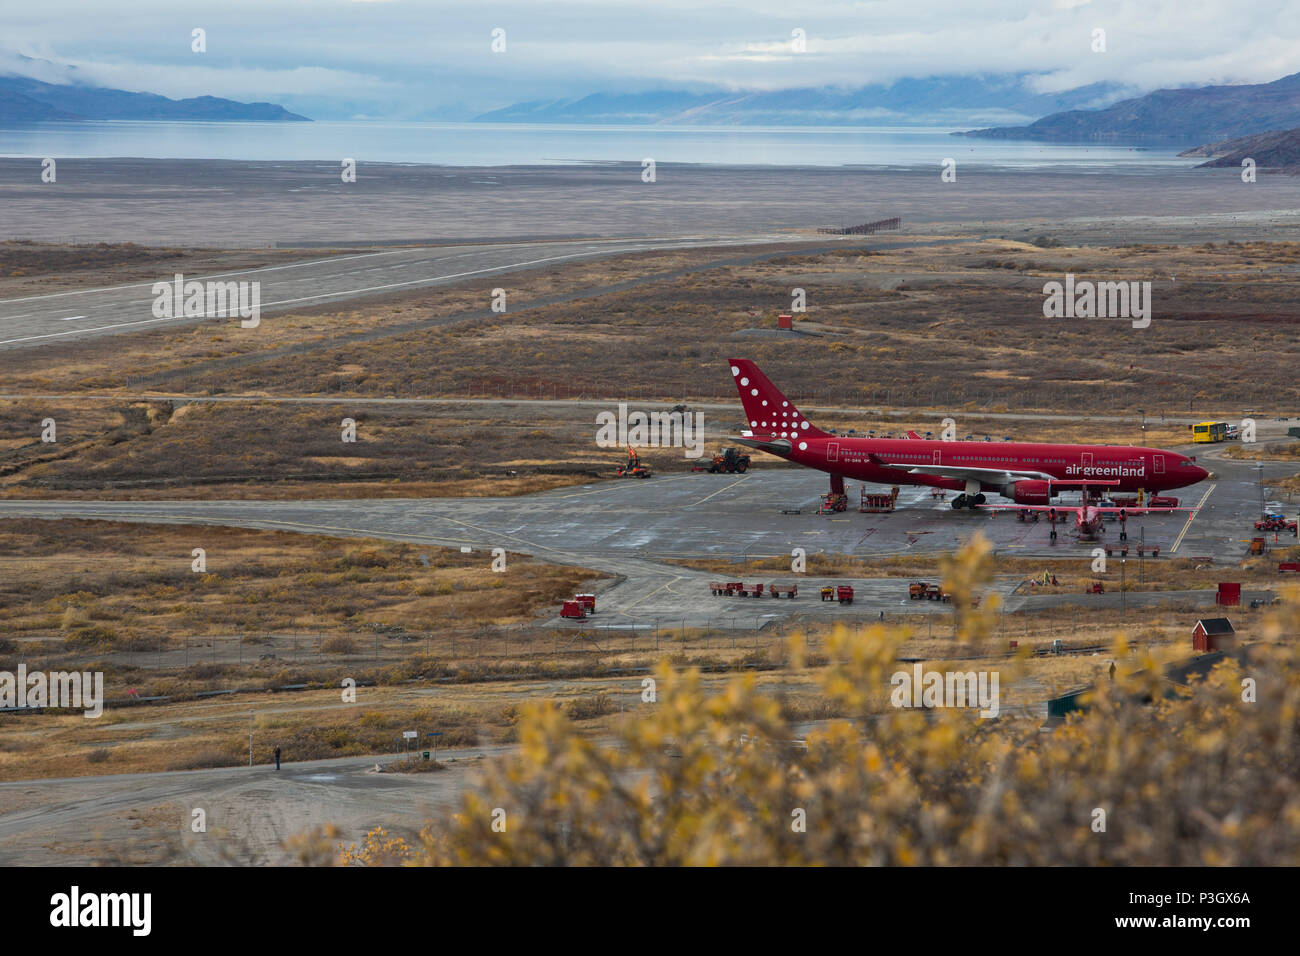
pixel 769 413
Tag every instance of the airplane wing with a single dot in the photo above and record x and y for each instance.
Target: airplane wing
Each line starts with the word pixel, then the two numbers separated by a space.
pixel 1063 509
pixel 964 473
pixel 1137 509
pixel 1000 476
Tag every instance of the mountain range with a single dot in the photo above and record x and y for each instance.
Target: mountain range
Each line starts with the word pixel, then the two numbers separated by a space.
pixel 938 101
pixel 27 100
pixel 1184 117
pixel 1279 149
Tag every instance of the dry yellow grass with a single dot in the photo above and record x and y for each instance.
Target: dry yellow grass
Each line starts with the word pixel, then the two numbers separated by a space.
pixel 103 586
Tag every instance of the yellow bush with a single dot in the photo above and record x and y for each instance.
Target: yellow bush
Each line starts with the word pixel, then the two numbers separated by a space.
pixel 1204 776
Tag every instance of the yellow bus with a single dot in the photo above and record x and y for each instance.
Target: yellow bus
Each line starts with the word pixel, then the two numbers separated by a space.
pixel 1210 431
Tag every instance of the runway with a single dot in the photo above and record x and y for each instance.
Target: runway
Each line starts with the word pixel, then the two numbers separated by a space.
pixel 62 316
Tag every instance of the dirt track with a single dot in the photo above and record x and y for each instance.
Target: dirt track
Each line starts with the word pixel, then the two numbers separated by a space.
pixel 146 818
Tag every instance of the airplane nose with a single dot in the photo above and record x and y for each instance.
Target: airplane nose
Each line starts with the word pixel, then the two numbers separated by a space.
pixel 1204 474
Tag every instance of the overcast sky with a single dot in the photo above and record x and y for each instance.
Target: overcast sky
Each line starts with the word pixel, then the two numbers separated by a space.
pixel 406 58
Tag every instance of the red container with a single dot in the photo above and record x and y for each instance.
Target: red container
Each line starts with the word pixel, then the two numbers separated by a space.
pixel 573 609
pixel 588 602
pixel 1229 594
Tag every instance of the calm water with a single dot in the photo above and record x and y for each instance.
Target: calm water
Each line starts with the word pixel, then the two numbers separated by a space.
pixel 479 144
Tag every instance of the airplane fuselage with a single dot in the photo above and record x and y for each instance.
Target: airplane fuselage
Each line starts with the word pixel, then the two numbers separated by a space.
pixel 888 461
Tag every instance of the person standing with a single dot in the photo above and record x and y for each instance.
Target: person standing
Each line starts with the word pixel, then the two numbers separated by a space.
pixel 277 756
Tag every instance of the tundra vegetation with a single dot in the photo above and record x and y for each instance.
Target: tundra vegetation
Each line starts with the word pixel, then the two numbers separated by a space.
pixel 1205 774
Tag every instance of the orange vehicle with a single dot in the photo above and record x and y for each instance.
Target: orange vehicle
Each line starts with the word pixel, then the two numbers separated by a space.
pixel 633 468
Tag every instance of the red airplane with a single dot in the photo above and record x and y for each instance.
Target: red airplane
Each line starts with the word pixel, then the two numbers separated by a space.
pixel 1029 473
pixel 1087 517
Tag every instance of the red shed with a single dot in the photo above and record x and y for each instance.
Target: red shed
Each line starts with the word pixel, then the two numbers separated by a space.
pixel 784 322
pixel 1213 634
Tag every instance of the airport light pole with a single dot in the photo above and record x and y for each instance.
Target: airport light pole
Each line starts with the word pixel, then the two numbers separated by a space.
pixel 1122 601
pixel 250 738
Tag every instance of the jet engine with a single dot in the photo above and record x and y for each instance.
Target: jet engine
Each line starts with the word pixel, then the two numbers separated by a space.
pixel 1028 492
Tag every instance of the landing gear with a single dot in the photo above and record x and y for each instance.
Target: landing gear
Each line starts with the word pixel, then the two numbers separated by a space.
pixel 959 502
pixel 979 499
pixel 967 501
